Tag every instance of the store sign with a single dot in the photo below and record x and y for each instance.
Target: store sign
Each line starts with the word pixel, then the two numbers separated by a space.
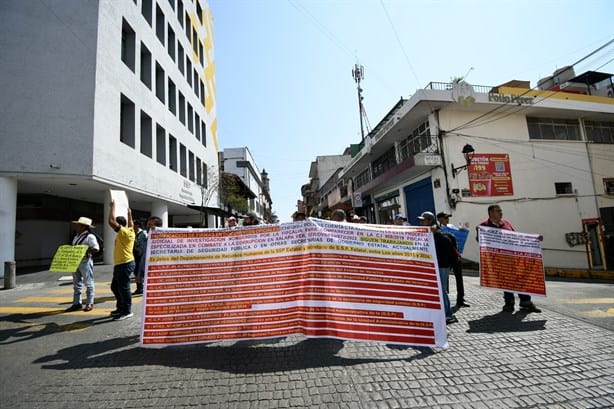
pixel 357 199
pixel 510 99
pixel 490 175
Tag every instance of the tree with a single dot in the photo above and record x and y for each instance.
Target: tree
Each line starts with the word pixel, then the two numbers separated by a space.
pixel 232 192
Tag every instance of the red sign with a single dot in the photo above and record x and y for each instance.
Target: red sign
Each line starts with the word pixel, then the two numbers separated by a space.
pixel 490 175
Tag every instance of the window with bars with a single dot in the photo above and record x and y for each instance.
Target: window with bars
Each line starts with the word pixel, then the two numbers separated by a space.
pixel 419 140
pixel 599 132
pixel 387 161
pixel 554 128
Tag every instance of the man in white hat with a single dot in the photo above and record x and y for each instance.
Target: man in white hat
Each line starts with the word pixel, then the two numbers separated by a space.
pixel 85 272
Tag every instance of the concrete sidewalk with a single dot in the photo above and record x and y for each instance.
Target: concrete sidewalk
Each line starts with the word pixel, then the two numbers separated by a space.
pixel 79 360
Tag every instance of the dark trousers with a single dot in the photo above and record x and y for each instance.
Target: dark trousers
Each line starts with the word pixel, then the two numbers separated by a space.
pixel 120 285
pixel 460 287
pixel 525 299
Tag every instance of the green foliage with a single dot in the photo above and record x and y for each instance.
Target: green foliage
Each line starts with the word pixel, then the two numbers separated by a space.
pixel 231 193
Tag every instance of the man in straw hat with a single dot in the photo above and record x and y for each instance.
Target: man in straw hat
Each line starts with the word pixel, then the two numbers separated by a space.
pixel 85 272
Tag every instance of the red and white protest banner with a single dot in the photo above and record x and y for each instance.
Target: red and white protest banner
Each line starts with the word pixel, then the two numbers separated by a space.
pixel 317 278
pixel 511 261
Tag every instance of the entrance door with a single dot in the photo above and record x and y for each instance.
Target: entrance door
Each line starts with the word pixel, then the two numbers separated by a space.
pixel 594 243
pixel 419 198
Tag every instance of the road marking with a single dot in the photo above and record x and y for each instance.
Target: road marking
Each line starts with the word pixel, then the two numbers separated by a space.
pixel 53 311
pixel 598 313
pixel 592 301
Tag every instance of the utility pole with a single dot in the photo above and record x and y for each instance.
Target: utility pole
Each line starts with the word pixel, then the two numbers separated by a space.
pixel 358 73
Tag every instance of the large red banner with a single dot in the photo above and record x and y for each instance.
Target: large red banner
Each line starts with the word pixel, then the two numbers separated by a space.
pixel 511 261
pixel 317 278
pixel 490 175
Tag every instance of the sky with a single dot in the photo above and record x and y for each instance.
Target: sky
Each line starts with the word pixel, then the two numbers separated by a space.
pixel 284 67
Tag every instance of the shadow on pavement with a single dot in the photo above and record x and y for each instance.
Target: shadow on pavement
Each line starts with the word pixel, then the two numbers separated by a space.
pixel 238 358
pixel 25 330
pixel 505 322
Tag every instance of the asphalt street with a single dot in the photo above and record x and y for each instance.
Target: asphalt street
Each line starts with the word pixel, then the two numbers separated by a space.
pixel 560 358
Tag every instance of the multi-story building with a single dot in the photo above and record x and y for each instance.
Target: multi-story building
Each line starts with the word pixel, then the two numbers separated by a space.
pixel 546 156
pixel 100 95
pixel 325 192
pixel 255 187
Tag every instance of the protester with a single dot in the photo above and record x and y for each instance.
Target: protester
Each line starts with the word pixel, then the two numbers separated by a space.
pixel 495 219
pixel 152 223
pixel 123 260
pixel 444 220
pixel 251 219
pixel 231 221
pixel 338 215
pixel 445 257
pixel 85 271
pixel 298 217
pixel 140 238
pixel 400 220
pixel 362 219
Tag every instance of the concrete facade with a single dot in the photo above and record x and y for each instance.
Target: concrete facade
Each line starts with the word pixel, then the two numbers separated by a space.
pixel 105 95
pixel 558 185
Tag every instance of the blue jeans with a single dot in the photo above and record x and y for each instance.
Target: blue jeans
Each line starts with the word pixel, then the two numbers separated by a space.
pixel 120 285
pixel 84 274
pixel 443 277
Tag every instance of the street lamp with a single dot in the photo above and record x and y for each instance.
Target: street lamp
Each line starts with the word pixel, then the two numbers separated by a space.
pixel 468 152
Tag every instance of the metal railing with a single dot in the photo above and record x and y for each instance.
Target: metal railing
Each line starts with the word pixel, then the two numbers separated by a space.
pixel 447 86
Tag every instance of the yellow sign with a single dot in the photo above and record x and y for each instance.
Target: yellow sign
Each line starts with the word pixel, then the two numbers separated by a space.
pixel 67 258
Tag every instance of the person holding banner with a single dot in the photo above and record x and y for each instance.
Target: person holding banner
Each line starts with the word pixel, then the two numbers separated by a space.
pixel 85 271
pixel 495 219
pixel 445 257
pixel 152 223
pixel 123 258
pixel 444 221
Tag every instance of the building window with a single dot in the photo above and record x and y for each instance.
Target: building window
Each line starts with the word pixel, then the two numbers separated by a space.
pixel 387 161
pixel 146 11
pixel 191 166
pixel 190 118
pixel 182 161
pixel 599 132
pixel 202 93
pixel 172 3
pixel 160 24
pixel 608 186
pixel 160 145
pixel 194 41
pixel 180 12
pixel 160 82
pixel 205 176
pixel 126 130
pixel 170 43
pixel 563 188
pixel 128 45
pixel 201 54
pixel 188 70
pixel 419 140
pixel 199 13
pixel 172 152
pixel 146 140
pixel 187 26
pixel 172 96
pixel 553 129
pixel 197 125
pixel 181 108
pixel 203 133
pixel 195 82
pixel 363 178
pixel 145 66
pixel 180 58
pixel 199 172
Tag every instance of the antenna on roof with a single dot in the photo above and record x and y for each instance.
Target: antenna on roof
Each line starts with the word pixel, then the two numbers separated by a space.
pixel 358 73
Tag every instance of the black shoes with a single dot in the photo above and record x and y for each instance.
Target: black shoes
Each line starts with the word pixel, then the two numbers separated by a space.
pixel 530 308
pixel 137 292
pixel 461 304
pixel 74 307
pixel 508 308
pixel 451 320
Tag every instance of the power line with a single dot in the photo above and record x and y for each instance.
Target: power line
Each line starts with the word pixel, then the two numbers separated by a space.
pixel 507 104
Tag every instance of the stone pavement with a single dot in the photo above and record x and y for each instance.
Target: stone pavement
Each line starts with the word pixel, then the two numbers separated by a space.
pixel 495 360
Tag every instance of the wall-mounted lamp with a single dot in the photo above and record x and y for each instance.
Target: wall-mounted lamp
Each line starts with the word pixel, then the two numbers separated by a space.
pixel 468 152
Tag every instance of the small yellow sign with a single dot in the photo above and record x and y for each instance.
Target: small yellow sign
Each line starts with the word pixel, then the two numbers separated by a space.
pixel 67 258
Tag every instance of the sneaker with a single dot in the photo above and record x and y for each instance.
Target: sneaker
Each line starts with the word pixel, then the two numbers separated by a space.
pixel 530 308
pixel 125 316
pixel 115 313
pixel 74 307
pixel 88 307
pixel 508 308
pixel 451 320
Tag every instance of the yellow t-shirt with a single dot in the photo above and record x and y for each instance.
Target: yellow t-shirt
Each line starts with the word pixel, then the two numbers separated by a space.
pixel 124 242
